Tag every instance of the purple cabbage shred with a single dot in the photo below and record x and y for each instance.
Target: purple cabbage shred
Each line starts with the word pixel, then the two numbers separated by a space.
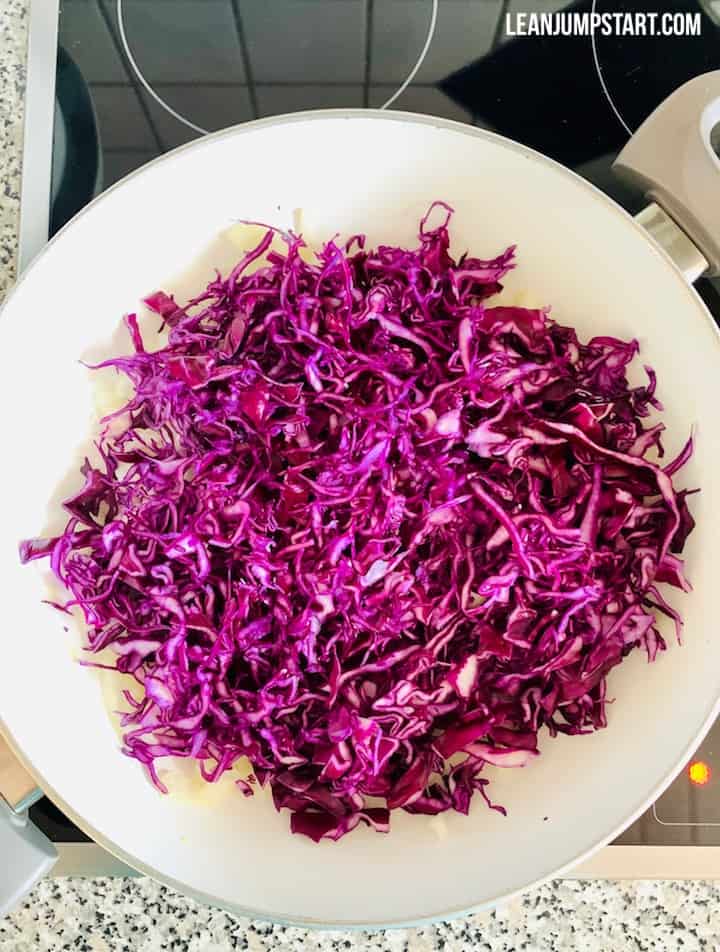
pixel 369 530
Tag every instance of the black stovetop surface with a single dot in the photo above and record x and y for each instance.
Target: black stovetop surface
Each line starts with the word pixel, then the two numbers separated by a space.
pixel 220 62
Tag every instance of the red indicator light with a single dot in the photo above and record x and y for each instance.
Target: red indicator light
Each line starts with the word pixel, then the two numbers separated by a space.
pixel 699 773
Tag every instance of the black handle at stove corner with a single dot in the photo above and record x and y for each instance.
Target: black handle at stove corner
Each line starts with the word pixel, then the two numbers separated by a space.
pixel 76 165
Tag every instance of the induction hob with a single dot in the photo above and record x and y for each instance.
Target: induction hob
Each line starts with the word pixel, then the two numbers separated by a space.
pixel 106 95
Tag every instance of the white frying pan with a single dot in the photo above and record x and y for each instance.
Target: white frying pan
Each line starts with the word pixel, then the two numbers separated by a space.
pixel 602 271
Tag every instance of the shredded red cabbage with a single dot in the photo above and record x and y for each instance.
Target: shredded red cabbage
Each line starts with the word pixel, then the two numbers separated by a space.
pixel 356 521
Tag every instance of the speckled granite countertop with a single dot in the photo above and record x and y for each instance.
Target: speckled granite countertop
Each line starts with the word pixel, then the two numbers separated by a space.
pixel 13 41
pixel 138 915
pixel 101 915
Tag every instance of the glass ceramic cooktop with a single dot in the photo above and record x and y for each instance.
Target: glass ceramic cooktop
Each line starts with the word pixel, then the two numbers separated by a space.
pixel 127 92
pixel 182 66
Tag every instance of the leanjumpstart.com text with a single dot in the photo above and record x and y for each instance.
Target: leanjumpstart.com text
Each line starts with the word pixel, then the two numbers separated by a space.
pixel 603 24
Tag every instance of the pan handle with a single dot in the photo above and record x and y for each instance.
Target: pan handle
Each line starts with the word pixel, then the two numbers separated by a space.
pixel 672 159
pixel 26 854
